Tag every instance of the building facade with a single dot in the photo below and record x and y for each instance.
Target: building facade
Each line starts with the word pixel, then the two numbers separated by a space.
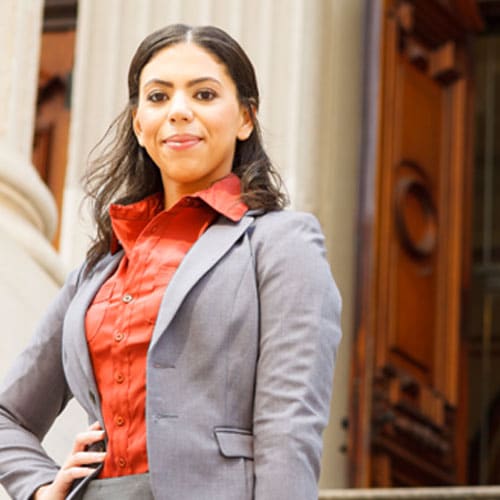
pixel 322 70
pixel 308 61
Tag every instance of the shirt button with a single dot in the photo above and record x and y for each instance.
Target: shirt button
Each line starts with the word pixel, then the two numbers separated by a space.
pixel 122 462
pixel 127 298
pixel 119 378
pixel 119 420
pixel 119 336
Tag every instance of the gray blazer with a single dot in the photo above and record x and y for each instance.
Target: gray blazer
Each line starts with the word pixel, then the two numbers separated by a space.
pixel 239 369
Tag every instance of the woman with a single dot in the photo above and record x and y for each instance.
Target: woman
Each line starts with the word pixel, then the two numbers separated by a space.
pixel 201 331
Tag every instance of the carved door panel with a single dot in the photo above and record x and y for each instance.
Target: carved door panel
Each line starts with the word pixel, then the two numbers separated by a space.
pixel 406 375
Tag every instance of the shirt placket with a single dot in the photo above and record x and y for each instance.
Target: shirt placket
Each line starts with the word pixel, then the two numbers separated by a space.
pixel 120 362
pixel 128 325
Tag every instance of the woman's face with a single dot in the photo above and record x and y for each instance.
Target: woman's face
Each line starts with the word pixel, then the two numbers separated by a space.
pixel 188 117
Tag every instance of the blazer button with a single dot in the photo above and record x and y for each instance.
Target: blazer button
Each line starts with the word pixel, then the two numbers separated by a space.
pixel 119 420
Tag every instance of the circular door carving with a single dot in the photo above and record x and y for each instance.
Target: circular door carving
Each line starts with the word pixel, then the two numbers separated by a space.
pixel 415 212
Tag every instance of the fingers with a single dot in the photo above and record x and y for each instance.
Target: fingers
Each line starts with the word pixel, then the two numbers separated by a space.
pixel 65 477
pixel 86 438
pixel 79 464
pixel 91 435
pixel 62 483
pixel 84 458
pixel 75 465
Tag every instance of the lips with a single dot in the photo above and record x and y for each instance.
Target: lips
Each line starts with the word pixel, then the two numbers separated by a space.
pixel 179 142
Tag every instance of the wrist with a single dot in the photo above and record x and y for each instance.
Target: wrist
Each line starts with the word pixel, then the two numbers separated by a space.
pixel 38 495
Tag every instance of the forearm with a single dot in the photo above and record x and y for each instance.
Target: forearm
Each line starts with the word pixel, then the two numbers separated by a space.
pixel 40 492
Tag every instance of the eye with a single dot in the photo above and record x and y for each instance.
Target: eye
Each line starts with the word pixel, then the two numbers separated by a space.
pixel 205 95
pixel 157 96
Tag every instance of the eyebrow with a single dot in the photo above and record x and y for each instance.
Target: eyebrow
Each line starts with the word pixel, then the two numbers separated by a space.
pixel 190 83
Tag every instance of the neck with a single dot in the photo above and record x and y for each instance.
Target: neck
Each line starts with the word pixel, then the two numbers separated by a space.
pixel 174 191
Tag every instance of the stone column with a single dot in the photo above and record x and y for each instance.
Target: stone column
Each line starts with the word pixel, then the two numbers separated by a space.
pixel 30 269
pixel 308 59
pixel 27 207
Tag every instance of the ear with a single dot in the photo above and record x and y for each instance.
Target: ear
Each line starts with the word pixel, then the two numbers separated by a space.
pixel 246 126
pixel 136 125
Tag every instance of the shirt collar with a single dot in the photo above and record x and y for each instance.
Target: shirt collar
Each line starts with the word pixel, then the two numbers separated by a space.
pixel 223 196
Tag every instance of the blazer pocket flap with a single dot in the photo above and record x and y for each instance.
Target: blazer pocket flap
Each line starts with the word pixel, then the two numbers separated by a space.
pixel 234 443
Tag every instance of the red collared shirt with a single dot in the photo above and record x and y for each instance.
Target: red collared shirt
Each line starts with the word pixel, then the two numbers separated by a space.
pixel 119 322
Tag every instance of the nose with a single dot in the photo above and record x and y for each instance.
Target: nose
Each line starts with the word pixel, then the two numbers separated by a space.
pixel 179 109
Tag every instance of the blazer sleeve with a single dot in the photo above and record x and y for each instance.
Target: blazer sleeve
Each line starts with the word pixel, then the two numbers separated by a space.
pixel 299 334
pixel 32 395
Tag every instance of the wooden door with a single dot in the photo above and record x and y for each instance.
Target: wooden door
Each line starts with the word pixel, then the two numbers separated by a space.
pixel 406 390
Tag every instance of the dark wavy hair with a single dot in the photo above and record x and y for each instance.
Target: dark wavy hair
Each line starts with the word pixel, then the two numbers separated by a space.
pixel 123 172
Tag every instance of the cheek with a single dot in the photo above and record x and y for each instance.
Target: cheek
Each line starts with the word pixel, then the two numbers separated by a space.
pixel 227 124
pixel 149 121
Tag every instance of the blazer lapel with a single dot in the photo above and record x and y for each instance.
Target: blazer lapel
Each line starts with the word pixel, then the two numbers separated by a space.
pixel 204 254
pixel 74 338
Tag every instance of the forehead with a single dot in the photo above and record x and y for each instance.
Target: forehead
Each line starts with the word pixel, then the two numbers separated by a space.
pixel 184 60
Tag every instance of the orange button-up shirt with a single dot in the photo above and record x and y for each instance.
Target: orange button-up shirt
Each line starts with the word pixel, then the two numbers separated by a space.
pixel 120 321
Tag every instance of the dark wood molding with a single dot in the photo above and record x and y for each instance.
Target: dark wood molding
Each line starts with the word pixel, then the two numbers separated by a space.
pixel 470 15
pixel 490 12
pixel 433 23
pixel 60 15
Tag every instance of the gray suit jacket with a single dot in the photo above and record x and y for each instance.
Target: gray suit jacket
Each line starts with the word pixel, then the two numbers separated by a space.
pixel 239 369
